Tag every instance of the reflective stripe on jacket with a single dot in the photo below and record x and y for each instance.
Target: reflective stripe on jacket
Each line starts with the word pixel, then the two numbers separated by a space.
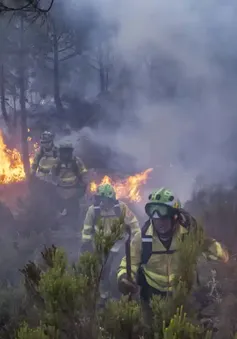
pixel 161 267
pixel 69 175
pixel 44 161
pixel 108 218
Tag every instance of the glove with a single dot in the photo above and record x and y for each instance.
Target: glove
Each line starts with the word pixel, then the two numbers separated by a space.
pixel 126 286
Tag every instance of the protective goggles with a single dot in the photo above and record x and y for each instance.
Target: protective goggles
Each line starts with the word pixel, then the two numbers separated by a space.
pixel 154 210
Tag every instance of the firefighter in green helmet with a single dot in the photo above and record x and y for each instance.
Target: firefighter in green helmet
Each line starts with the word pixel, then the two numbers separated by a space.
pixel 107 208
pixel 154 251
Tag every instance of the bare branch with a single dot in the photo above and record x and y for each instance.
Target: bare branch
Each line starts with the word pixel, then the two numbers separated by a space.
pixel 66 48
pixel 69 56
pixel 29 6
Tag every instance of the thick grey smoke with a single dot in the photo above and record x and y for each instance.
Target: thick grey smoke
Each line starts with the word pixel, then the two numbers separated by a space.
pixel 189 48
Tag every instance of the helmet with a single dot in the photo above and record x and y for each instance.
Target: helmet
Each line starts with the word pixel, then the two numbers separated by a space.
pixel 46 140
pixel 66 151
pixel 106 191
pixel 162 203
pixel 66 146
pixel 46 137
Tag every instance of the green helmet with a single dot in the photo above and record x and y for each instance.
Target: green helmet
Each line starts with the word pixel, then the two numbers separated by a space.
pixel 164 196
pixel 106 191
pixel 162 201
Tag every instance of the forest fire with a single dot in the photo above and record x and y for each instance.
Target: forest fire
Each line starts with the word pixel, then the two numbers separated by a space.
pixel 12 171
pixel 128 188
pixel 11 164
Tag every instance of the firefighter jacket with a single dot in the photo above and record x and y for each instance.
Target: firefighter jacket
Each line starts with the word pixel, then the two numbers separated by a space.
pixel 69 175
pixel 159 265
pixel 95 213
pixel 44 161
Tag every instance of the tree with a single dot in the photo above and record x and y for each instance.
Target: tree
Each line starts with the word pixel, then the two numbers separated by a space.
pixel 3 71
pixel 58 42
pixel 40 6
pixel 22 81
pixel 103 62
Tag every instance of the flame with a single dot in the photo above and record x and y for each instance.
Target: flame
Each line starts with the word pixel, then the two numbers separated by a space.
pixel 128 188
pixel 11 164
pixel 12 170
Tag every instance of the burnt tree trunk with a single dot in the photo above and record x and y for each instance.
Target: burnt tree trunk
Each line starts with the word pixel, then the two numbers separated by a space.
pixel 23 116
pixel 3 97
pixel 15 117
pixel 56 72
pixel 104 78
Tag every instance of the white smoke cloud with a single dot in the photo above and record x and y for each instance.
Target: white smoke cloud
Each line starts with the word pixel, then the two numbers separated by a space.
pixel 181 137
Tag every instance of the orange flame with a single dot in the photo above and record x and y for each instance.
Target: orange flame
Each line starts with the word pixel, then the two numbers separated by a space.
pixel 11 164
pixel 12 170
pixel 128 188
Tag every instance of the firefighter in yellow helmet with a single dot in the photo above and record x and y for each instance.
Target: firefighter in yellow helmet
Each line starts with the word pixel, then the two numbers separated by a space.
pixel 106 208
pixel 45 157
pixel 154 251
pixel 69 173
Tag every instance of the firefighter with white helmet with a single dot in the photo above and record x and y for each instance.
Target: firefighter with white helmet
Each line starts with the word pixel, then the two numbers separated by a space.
pixel 45 157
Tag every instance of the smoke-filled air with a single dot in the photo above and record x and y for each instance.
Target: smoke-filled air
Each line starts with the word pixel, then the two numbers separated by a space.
pixel 118 169
pixel 177 61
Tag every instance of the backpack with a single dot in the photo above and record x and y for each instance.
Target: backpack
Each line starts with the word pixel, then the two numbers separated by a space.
pixel 97 212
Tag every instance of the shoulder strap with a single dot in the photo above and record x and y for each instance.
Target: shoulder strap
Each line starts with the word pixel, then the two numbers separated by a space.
pixel 117 209
pixel 146 244
pixel 55 152
pixel 58 167
pixel 97 211
pixel 75 165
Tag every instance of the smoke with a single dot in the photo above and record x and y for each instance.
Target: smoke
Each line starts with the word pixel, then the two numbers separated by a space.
pixel 182 57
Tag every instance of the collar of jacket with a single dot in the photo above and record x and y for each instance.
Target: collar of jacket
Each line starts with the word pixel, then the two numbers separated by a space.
pixel 179 230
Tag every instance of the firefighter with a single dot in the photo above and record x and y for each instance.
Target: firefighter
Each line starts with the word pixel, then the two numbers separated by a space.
pixel 108 209
pixel 153 252
pixel 46 156
pixel 69 174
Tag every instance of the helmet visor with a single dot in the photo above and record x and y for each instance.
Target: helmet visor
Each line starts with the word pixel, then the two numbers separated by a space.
pixel 154 210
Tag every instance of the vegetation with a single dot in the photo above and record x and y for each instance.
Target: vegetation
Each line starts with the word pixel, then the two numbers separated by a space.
pixel 49 66
pixel 61 299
